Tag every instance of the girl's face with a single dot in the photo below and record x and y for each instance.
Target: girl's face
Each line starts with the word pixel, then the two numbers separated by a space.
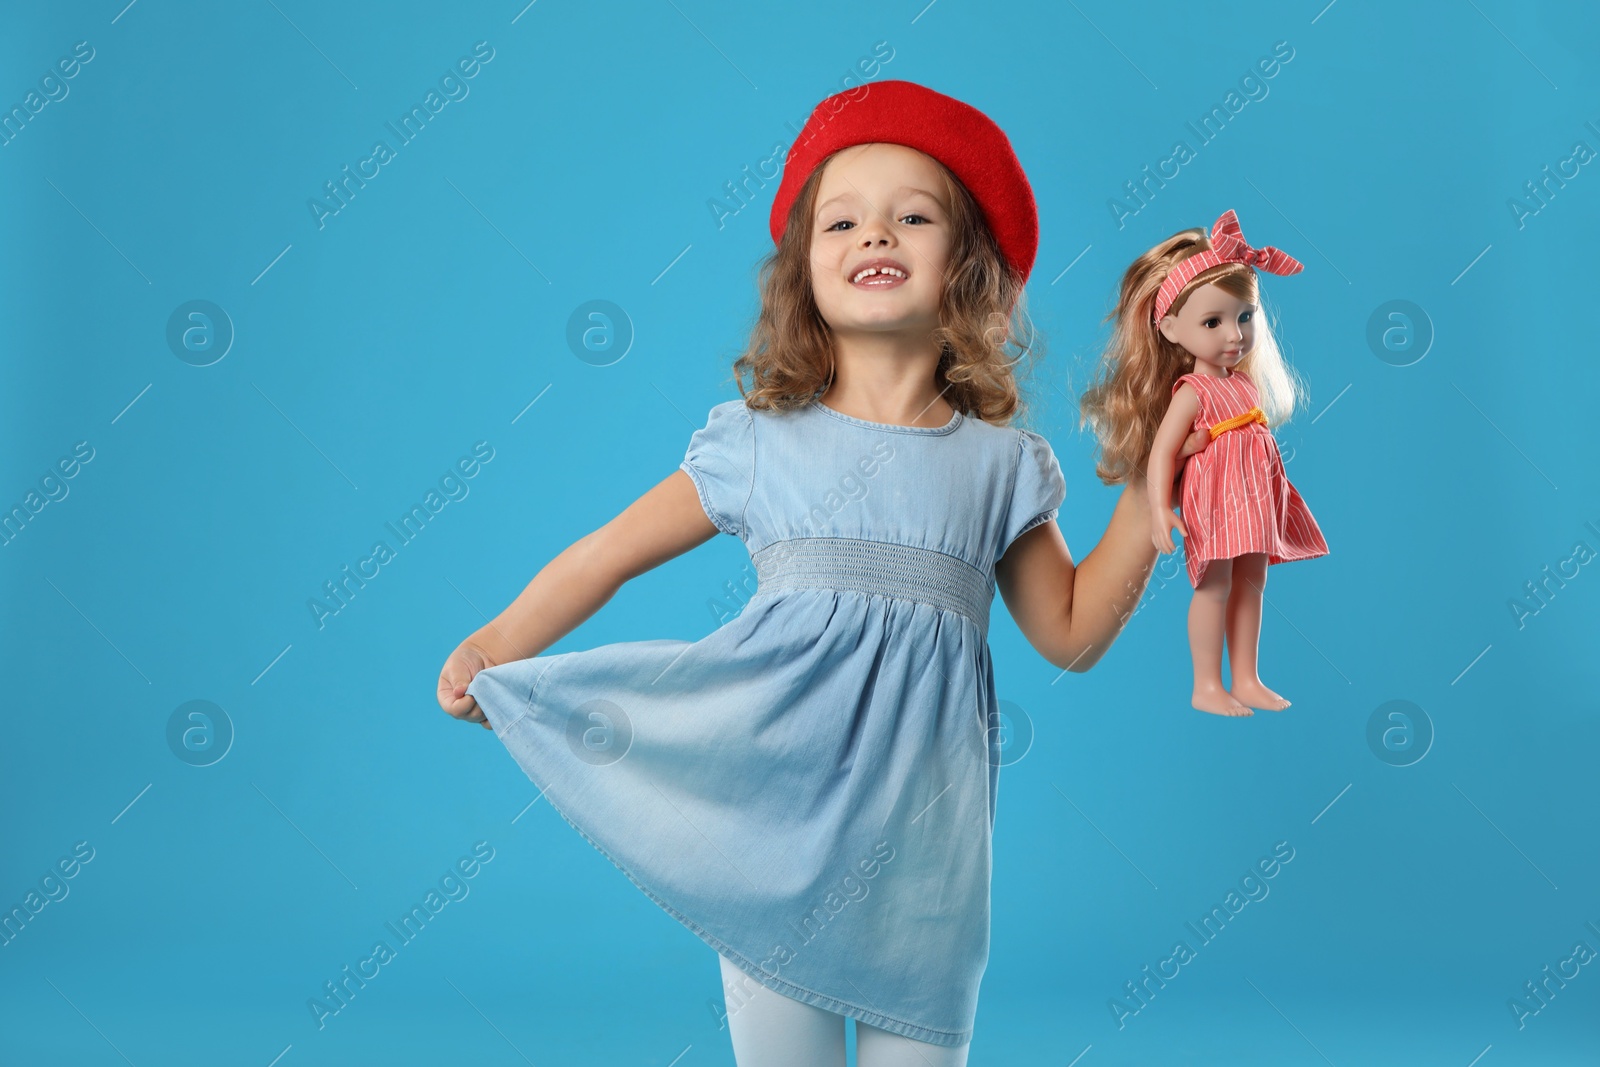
pixel 1215 327
pixel 881 205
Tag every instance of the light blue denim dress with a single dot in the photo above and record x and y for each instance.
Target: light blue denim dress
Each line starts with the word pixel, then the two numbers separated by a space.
pixel 811 787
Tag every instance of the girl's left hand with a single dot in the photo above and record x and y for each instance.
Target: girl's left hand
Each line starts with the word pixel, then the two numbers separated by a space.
pixel 1195 442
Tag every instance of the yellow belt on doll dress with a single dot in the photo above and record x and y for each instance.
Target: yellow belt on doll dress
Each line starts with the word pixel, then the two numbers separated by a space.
pixel 1253 415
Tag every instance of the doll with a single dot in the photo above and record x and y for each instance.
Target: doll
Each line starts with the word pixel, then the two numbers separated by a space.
pixel 1191 351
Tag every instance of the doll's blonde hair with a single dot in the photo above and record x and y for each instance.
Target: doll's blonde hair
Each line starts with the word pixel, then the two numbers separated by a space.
pixel 983 333
pixel 1126 402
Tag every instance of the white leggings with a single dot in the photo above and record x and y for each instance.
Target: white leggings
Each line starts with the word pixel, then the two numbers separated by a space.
pixel 772 1030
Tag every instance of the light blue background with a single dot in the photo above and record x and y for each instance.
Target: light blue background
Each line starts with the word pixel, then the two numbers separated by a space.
pixel 431 313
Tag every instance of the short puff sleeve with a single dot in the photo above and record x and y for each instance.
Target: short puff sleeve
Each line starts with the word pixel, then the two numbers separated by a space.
pixel 721 462
pixel 1037 490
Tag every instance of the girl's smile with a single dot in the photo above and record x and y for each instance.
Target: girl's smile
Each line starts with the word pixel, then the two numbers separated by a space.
pixel 878 273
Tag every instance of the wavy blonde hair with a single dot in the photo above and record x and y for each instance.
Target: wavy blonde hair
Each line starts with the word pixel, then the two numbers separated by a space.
pixel 983 333
pixel 1126 402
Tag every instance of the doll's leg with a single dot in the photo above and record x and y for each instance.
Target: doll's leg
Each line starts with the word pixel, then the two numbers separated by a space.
pixel 771 1030
pixel 1244 632
pixel 880 1048
pixel 1208 613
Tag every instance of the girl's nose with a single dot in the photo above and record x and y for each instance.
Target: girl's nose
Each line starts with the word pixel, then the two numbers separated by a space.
pixel 874 230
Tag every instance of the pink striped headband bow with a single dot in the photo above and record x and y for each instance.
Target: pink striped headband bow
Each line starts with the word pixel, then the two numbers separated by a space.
pixel 1227 246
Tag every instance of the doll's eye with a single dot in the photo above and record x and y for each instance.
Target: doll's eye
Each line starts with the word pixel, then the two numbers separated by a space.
pixel 1245 317
pixel 1212 322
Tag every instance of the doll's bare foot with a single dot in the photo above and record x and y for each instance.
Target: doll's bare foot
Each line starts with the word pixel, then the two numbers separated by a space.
pixel 1218 702
pixel 1258 696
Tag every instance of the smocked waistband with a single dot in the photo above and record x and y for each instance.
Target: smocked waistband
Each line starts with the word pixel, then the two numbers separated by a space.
pixel 921 574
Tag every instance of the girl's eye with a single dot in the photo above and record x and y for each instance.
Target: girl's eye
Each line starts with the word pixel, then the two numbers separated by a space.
pixel 847 222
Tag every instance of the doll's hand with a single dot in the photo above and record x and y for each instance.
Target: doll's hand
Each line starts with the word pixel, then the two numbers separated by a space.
pixel 1195 442
pixel 1162 522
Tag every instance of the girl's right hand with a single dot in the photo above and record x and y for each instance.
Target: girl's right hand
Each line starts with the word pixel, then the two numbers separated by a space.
pixel 1162 522
pixel 464 663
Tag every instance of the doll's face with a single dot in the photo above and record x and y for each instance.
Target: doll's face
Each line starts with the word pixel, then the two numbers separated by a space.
pixel 1215 327
pixel 880 202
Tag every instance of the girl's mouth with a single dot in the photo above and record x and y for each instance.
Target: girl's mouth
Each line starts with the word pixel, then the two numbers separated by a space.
pixel 879 275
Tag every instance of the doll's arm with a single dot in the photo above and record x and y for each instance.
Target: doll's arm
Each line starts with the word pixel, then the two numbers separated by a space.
pixel 1172 432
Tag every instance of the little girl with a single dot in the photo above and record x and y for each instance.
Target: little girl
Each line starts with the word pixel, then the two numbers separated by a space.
pixel 811 788
pixel 1192 301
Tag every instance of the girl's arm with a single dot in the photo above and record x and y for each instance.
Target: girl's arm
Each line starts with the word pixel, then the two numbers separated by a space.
pixel 665 522
pixel 1071 613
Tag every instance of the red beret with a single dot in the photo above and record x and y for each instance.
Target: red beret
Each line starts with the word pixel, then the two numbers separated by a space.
pixel 958 135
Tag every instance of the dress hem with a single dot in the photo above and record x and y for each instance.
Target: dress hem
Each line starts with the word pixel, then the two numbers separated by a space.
pixel 948 1038
pixel 1273 559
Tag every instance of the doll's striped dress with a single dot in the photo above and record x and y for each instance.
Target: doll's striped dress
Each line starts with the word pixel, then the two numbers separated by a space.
pixel 1236 497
